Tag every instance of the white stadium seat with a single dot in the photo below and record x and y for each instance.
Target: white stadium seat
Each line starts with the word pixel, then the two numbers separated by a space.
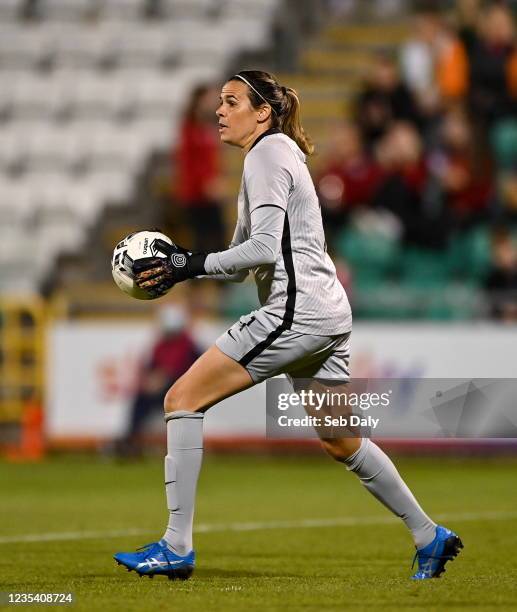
pixel 10 9
pixel 110 186
pixel 121 9
pixel 174 9
pixel 158 94
pixel 78 45
pixel 66 9
pixel 23 46
pixel 88 91
pixel 102 95
pixel 30 96
pixel 156 133
pixel 253 10
pixel 15 202
pixel 147 46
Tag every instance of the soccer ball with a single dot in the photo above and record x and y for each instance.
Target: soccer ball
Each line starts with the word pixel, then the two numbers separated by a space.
pixel 135 246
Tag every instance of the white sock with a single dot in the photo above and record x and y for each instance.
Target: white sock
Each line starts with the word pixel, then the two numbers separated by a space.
pixel 182 466
pixel 378 474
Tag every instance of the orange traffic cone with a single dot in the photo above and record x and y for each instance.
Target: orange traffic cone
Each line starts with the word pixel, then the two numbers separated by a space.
pixel 32 443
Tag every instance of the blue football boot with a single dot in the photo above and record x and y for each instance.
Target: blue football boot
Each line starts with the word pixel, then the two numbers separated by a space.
pixel 157 558
pixel 433 557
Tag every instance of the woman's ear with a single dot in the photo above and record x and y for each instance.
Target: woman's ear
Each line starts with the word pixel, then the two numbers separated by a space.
pixel 264 113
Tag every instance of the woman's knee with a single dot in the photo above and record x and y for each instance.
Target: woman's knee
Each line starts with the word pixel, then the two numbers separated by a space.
pixel 178 398
pixel 341 449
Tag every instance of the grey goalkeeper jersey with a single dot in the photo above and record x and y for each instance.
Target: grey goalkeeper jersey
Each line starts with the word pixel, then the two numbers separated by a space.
pixel 279 236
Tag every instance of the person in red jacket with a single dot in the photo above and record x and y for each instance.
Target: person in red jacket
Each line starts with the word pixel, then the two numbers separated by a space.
pixel 198 170
pixel 171 356
pixel 348 179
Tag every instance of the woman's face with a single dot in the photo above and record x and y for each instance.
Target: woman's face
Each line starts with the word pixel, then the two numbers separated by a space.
pixel 239 122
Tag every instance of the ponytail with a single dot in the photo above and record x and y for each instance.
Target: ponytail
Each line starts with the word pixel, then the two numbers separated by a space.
pixel 290 122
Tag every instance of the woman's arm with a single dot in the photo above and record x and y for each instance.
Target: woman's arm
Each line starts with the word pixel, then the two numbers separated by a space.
pixel 268 182
pixel 262 247
pixel 236 277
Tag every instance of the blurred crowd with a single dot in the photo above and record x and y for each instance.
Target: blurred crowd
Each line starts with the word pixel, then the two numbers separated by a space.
pixel 430 152
pixel 420 177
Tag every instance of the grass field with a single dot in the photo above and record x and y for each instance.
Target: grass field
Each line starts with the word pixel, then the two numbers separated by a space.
pixel 263 542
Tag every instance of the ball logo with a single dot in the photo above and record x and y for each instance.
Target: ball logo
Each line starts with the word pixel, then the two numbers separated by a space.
pixel 179 260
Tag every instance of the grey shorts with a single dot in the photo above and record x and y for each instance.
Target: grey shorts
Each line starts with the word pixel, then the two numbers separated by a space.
pixel 260 344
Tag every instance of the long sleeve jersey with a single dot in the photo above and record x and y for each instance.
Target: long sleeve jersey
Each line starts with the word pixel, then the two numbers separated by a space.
pixel 279 237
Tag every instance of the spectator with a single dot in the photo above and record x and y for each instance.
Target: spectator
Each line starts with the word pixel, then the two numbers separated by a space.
pixel 468 14
pixel 493 67
pixel 501 282
pixel 349 177
pixel 434 63
pixel 400 154
pixel 463 170
pixel 171 356
pixel 198 171
pixel 383 100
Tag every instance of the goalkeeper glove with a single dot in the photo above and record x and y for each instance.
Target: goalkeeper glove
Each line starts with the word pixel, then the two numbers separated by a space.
pixel 157 275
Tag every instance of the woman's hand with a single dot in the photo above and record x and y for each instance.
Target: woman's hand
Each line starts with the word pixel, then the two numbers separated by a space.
pixel 157 275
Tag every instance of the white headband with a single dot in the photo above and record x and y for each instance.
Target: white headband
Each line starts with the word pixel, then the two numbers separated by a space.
pixel 238 76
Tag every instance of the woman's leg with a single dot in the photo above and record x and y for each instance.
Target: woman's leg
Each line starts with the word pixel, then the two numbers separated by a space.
pixel 213 377
pixel 380 477
pixel 376 472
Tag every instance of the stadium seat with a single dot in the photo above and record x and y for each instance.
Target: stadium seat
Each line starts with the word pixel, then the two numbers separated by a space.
pixel 23 46
pixel 66 10
pixel 251 9
pixel 469 255
pixel 373 257
pixel 109 186
pixel 239 300
pixel 159 94
pixel 31 96
pixel 209 45
pixel 422 268
pixel 78 45
pixel 122 9
pixel 101 96
pixel 149 46
pixel 504 143
pixel 196 9
pixel 14 137
pixel 10 10
pixel 15 203
pixel 88 89
pixel 154 133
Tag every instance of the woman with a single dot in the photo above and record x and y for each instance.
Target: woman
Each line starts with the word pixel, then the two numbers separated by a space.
pixel 197 163
pixel 302 329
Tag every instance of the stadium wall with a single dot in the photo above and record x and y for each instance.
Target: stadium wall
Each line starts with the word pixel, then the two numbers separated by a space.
pixel 92 371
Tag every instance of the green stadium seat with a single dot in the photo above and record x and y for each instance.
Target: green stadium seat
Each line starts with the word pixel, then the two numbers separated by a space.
pixel 423 268
pixel 503 138
pixel 373 257
pixel 469 255
pixel 240 299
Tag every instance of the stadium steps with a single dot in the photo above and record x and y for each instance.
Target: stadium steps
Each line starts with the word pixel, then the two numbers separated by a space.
pixel 336 61
pixel 371 35
pixel 330 76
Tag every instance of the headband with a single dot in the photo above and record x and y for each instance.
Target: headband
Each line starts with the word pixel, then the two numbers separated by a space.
pixel 238 76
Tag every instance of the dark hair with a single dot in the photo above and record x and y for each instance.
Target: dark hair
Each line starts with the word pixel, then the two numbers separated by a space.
pixel 192 107
pixel 284 103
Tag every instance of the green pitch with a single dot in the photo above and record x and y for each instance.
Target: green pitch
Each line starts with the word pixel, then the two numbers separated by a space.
pixel 264 543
